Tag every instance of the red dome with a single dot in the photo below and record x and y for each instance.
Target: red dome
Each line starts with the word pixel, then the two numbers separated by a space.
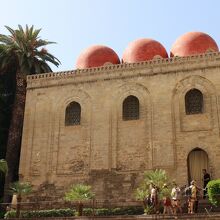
pixel 95 56
pixel 193 43
pixel 142 50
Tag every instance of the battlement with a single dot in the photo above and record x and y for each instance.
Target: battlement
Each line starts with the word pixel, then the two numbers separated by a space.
pixel 151 67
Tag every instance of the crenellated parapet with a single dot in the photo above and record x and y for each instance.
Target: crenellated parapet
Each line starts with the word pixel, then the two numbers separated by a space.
pixel 124 70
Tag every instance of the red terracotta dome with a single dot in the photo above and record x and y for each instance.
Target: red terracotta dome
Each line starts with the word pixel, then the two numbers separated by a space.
pixel 143 50
pixel 193 43
pixel 95 56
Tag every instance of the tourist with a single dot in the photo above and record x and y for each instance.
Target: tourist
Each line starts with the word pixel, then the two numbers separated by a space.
pixel 176 195
pixel 167 206
pixel 198 195
pixel 193 197
pixel 206 179
pixel 154 197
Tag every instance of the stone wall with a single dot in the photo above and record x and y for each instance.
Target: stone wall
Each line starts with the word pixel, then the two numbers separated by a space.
pixel 105 151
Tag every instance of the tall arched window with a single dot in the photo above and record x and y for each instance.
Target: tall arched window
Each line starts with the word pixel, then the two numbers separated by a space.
pixel 131 108
pixel 193 102
pixel 73 114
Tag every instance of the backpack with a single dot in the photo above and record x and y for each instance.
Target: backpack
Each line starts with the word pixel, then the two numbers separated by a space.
pixel 188 191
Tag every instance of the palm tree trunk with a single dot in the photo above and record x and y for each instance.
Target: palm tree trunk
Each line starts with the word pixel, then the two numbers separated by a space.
pixel 18 208
pixel 80 209
pixel 15 134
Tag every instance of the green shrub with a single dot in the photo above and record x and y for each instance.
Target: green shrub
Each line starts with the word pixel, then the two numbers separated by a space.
pixel 114 211
pixel 103 212
pixel 42 213
pixel 72 212
pixel 87 211
pixel 214 192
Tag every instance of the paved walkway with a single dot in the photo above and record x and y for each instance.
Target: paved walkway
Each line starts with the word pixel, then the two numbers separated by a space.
pixel 213 216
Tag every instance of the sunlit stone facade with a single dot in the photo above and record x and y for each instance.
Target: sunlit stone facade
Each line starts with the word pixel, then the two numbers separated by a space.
pixel 105 150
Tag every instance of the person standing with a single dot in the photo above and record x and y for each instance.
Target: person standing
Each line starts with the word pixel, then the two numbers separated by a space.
pixel 193 197
pixel 206 179
pixel 154 197
pixel 175 195
pixel 167 206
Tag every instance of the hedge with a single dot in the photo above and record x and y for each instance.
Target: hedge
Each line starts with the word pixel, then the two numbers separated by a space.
pixel 214 192
pixel 72 212
pixel 42 213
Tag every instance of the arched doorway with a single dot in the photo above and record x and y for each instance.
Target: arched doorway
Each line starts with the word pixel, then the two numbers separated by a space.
pixel 196 161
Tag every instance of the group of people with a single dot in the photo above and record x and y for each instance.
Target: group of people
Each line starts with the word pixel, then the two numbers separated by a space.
pixel 172 201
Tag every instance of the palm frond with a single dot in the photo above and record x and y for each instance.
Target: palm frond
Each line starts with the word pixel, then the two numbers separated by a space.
pixel 3 166
pixel 20 188
pixel 12 31
pixel 79 192
pixel 23 48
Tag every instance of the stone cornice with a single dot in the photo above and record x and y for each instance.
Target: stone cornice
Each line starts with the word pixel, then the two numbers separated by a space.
pixel 125 70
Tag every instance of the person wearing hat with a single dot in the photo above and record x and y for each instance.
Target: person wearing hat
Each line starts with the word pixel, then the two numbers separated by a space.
pixel 193 196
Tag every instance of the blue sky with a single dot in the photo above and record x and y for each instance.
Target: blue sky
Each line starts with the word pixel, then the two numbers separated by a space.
pixel 77 24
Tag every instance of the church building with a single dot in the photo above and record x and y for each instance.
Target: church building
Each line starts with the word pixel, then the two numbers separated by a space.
pixel 110 120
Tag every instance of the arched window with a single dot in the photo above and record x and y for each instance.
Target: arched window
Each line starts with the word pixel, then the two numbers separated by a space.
pixel 193 102
pixel 73 114
pixel 131 108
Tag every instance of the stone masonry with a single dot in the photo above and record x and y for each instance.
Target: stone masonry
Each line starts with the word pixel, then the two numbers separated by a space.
pixel 105 151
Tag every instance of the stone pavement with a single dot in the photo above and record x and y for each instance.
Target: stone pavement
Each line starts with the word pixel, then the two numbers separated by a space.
pixel 213 216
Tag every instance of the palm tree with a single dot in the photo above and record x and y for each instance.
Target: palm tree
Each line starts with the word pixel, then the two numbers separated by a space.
pixel 20 189
pixel 3 166
pixel 157 178
pixel 24 52
pixel 79 193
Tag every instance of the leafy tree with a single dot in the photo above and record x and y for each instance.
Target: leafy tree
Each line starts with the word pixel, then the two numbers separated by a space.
pixel 23 51
pixel 20 189
pixel 79 193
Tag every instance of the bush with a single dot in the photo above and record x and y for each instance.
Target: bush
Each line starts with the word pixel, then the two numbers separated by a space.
pixel 72 212
pixel 42 213
pixel 114 211
pixel 214 192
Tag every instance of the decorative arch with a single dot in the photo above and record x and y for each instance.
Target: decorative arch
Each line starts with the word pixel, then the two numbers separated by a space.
pixel 181 118
pixel 119 126
pixel 132 89
pixel 79 162
pixel 80 97
pixel 183 123
pixel 193 81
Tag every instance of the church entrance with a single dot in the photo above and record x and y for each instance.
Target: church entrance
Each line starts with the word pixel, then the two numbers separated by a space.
pixel 197 160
